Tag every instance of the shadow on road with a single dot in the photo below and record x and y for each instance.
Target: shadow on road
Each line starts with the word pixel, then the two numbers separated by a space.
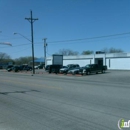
pixel 24 92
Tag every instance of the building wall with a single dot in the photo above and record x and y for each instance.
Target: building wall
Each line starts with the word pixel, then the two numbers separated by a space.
pixel 81 62
pixel 49 61
pixel 118 61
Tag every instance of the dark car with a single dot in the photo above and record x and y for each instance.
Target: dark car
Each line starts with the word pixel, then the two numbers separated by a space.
pixel 47 68
pixel 53 68
pixel 39 66
pixel 1 67
pixel 15 68
pixel 9 68
pixel 23 66
pixel 27 68
pixel 93 68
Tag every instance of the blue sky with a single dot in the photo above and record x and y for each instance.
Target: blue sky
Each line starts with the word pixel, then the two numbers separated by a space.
pixel 62 20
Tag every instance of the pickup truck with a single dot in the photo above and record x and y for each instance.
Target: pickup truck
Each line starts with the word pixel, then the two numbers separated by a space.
pixel 93 68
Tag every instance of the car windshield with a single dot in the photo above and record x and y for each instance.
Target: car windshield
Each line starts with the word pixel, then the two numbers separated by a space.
pixel 68 66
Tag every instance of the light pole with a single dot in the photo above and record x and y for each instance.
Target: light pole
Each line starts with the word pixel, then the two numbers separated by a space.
pixel 22 36
pixel 31 20
pixel 6 43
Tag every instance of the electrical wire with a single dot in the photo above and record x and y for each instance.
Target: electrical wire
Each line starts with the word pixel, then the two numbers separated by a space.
pixel 73 40
pixel 89 41
pixel 20 50
pixel 106 36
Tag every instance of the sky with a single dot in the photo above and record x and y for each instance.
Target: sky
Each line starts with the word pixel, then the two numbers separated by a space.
pixel 78 25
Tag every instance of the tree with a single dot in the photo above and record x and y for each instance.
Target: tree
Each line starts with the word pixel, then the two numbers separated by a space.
pixel 67 52
pixel 4 56
pixel 87 52
pixel 112 50
pixel 23 60
pixel 5 59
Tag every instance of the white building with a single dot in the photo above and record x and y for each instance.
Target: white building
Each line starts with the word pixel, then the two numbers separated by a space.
pixel 116 61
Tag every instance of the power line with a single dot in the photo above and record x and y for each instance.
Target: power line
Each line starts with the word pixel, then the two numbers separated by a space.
pixel 89 41
pixel 73 40
pixel 120 34
pixel 20 50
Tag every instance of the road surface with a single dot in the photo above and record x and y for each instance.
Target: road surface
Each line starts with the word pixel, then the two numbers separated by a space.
pixel 56 102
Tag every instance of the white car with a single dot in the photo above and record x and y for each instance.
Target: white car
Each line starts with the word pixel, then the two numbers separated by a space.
pixel 36 67
pixel 74 71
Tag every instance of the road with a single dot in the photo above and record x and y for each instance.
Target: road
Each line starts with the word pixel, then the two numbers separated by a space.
pixel 55 102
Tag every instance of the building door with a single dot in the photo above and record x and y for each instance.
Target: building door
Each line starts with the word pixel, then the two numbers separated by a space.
pixel 99 61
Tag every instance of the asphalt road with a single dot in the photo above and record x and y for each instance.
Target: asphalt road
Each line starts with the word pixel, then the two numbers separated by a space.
pixel 55 102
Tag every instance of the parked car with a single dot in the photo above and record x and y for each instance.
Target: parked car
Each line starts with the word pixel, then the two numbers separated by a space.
pixel 16 68
pixel 21 67
pixel 39 66
pixel 1 67
pixel 93 68
pixel 47 68
pixel 75 70
pixel 27 68
pixel 54 68
pixel 9 68
pixel 68 67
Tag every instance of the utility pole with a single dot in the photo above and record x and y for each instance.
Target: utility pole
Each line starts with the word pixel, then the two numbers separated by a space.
pixel 45 44
pixel 31 20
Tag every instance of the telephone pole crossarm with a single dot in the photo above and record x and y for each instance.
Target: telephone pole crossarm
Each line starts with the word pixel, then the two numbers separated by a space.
pixel 33 20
